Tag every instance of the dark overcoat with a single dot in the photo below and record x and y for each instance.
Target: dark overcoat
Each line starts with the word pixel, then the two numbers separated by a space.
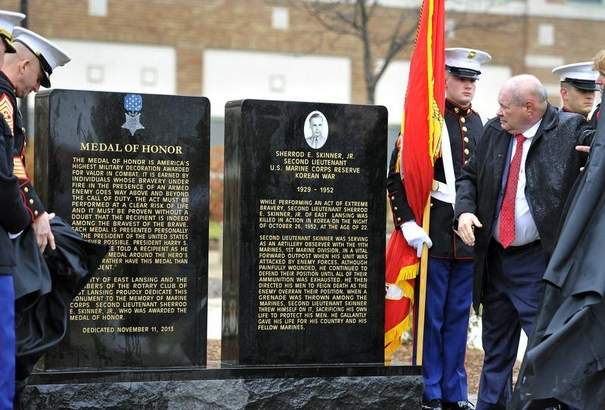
pixel 564 356
pixel 551 167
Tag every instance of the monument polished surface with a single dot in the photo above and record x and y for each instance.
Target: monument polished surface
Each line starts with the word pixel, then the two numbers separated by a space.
pixel 304 233
pixel 131 171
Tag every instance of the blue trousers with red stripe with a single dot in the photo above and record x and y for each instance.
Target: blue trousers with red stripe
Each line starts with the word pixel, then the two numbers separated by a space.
pixel 448 303
pixel 7 342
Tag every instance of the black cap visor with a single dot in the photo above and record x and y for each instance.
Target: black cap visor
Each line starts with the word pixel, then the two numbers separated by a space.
pixel 582 85
pixel 46 71
pixel 463 72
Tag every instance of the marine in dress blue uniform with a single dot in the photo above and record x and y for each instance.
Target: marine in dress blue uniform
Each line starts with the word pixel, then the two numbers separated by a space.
pixel 578 87
pixel 13 219
pixel 450 276
pixel 53 262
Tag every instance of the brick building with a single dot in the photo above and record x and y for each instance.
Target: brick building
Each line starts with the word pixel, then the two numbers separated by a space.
pixel 232 49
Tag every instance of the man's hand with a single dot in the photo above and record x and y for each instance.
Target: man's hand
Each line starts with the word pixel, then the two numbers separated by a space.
pixel 415 236
pixel 44 235
pixel 466 227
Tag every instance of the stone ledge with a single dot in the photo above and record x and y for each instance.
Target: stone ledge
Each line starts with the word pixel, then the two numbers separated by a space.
pixel 368 392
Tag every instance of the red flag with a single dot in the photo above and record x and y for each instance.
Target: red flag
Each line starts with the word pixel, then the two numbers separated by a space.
pixel 421 127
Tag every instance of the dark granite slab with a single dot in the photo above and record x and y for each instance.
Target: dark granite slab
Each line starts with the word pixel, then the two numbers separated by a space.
pixel 304 233
pixel 131 171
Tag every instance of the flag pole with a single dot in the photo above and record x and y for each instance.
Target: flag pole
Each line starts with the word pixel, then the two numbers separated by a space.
pixel 422 286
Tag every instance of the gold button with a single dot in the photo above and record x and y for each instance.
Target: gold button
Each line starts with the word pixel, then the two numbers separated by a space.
pixel 456 109
pixel 466 139
pixel 35 213
pixel 393 198
pixel 23 131
pixel 462 120
pixel 31 201
pixel 25 143
pixel 398 219
pixel 26 189
pixel 395 208
pixel 466 151
pixel 466 162
pixel 431 204
pixel 464 129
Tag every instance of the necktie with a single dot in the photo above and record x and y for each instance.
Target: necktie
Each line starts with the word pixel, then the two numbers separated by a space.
pixel 507 211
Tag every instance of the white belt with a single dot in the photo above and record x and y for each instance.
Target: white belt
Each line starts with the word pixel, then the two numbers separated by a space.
pixel 443 192
pixel 446 192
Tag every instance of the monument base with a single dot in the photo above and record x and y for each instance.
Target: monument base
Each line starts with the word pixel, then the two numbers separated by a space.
pixel 267 388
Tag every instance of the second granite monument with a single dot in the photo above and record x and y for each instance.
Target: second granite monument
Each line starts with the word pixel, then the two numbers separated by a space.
pixel 304 227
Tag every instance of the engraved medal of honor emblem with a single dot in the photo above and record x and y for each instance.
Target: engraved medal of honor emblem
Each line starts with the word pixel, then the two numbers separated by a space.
pixel 133 104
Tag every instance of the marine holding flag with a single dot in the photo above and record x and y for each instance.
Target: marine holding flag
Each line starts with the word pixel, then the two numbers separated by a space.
pixel 424 105
pixel 450 276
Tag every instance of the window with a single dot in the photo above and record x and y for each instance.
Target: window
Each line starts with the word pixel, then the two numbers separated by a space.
pixel 95 74
pixel 97 8
pixel 546 35
pixel 149 76
pixel 280 18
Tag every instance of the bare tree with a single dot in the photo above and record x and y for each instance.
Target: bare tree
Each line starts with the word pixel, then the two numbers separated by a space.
pixel 365 21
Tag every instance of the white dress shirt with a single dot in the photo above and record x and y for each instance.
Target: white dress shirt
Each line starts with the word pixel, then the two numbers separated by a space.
pixel 525 226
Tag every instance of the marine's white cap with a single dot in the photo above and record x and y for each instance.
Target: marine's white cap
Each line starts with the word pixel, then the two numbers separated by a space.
pixel 49 54
pixel 8 20
pixel 465 62
pixel 580 75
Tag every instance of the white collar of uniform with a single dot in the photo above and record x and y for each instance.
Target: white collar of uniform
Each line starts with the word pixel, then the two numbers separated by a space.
pixel 529 133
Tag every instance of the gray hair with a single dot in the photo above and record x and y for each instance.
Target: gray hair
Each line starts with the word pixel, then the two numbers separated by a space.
pixel 526 86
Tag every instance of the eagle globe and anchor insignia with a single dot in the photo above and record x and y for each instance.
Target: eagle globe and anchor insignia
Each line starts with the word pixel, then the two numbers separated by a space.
pixel 133 104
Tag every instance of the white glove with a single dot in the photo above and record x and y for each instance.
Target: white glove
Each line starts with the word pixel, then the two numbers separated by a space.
pixel 393 292
pixel 415 236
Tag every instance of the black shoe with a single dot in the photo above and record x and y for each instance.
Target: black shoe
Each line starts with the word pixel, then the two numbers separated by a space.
pixel 434 404
pixel 461 405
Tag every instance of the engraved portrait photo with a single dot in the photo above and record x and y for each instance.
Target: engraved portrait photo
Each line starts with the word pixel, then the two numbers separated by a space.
pixel 316 129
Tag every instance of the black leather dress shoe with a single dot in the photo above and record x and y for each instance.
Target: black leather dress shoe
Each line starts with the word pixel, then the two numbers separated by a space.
pixel 434 404
pixel 461 405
